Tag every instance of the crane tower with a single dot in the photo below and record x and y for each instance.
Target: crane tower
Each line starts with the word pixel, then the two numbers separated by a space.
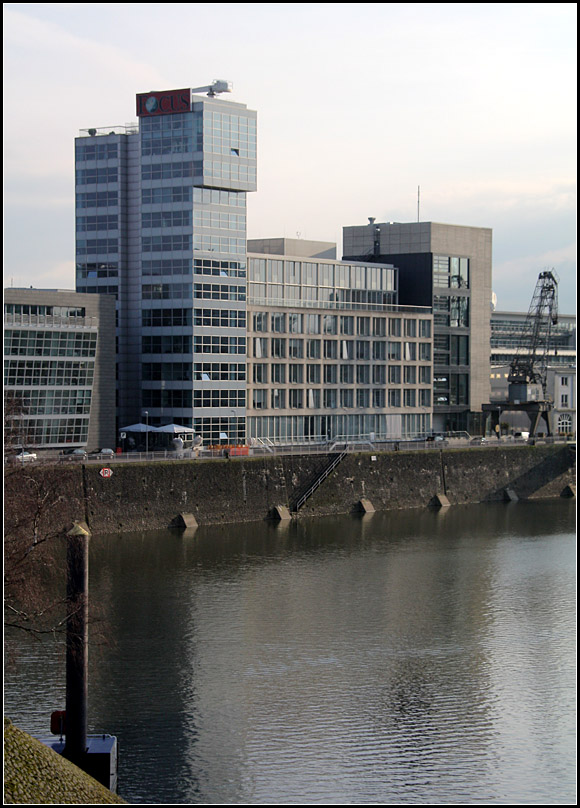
pixel 527 378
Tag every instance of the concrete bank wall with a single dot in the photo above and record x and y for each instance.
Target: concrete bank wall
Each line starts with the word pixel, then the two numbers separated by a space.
pixel 141 496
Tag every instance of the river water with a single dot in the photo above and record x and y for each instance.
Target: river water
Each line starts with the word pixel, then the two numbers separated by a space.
pixel 409 657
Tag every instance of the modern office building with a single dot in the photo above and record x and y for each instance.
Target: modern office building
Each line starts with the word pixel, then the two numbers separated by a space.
pixel 161 224
pixel 448 268
pixel 331 353
pixel 59 368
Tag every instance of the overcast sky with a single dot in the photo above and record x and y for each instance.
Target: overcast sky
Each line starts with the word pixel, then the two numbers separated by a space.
pixel 358 105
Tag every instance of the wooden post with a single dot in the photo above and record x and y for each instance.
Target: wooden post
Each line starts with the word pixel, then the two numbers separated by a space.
pixel 77 644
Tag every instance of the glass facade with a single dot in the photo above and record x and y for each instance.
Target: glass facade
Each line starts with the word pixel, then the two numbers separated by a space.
pixel 161 222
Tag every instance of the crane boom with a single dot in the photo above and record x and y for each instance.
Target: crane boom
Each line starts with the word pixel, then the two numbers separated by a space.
pixel 528 370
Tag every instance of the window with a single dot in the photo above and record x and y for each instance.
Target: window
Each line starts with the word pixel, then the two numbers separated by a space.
pixel 313 348
pixel 330 349
pixel 296 398
pixel 347 374
pixel 278 322
pixel 260 347
pixel 363 374
pixel 394 397
pixel 363 326
pixel 296 374
pixel 379 374
pixel 394 374
pixel 379 399
pixel 347 398
pixel 313 374
pixel 260 374
pixel 259 399
pixel 363 397
pixel 409 398
pixel 410 374
pixel 278 374
pixel 330 374
pixel 278 399
pixel 295 348
pixel 410 328
pixel 394 327
pixel 347 325
pixel 278 348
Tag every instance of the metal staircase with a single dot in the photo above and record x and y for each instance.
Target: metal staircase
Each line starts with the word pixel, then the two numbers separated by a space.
pixel 312 485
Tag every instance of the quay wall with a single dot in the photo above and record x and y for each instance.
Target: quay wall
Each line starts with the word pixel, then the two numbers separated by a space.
pixel 151 495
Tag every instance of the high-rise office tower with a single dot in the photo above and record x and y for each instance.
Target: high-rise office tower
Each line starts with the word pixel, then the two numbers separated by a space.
pixel 161 224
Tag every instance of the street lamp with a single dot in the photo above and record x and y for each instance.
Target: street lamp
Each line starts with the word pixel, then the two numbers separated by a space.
pixel 146 414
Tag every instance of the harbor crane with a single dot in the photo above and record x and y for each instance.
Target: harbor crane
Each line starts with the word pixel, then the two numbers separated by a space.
pixel 527 379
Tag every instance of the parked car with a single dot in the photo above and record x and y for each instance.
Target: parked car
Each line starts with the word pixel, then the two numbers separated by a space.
pixel 25 457
pixel 478 441
pixel 103 453
pixel 74 454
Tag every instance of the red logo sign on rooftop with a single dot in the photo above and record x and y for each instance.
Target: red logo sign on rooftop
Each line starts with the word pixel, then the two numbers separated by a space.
pixel 164 102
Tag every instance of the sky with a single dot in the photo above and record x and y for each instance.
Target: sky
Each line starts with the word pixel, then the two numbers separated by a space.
pixel 359 106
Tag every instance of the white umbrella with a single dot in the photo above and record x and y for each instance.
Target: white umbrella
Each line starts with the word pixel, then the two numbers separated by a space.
pixel 174 429
pixel 139 428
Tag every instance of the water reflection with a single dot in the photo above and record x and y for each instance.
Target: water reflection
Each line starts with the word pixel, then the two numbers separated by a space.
pixel 400 657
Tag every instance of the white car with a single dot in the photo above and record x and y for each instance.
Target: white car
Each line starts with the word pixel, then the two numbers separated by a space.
pixel 25 457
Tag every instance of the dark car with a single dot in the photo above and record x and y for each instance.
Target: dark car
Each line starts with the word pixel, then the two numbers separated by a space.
pixel 74 454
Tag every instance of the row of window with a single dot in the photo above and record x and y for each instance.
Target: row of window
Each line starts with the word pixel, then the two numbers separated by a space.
pixel 218 220
pixel 185 399
pixel 153 144
pixel 166 291
pixel 297 323
pixel 202 371
pixel 219 291
pixel 166 171
pixel 90 224
pixel 307 273
pixel 94 246
pixel 55 431
pixel 166 243
pixel 97 199
pixel 96 150
pixel 107 269
pixel 314 398
pixel 96 176
pixel 172 195
pixel 381 350
pixel 27 373
pixel 228 172
pixel 41 310
pixel 221 244
pixel 215 196
pixel 167 218
pixel 340 374
pixel 55 402
pixel 275 295
pixel 182 344
pixel 166 318
pixel 49 343
pixel 219 318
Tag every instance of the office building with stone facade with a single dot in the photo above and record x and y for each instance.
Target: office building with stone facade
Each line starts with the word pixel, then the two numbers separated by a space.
pixel 332 355
pixel 59 369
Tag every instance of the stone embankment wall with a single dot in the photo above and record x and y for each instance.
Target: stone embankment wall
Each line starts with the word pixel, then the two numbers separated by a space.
pixel 151 495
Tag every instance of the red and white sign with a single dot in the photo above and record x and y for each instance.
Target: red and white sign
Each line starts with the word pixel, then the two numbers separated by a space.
pixel 165 102
pixel 106 472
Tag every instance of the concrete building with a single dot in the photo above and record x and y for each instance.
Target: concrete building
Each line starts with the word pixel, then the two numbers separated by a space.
pixel 332 355
pixel 447 267
pixel 59 368
pixel 161 224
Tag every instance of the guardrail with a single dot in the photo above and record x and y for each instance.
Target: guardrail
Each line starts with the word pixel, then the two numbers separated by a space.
pixel 263 449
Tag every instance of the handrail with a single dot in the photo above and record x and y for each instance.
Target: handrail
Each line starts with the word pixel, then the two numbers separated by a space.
pixel 321 479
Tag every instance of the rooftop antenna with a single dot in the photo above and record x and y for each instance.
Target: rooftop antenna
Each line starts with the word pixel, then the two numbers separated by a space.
pixel 418 202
